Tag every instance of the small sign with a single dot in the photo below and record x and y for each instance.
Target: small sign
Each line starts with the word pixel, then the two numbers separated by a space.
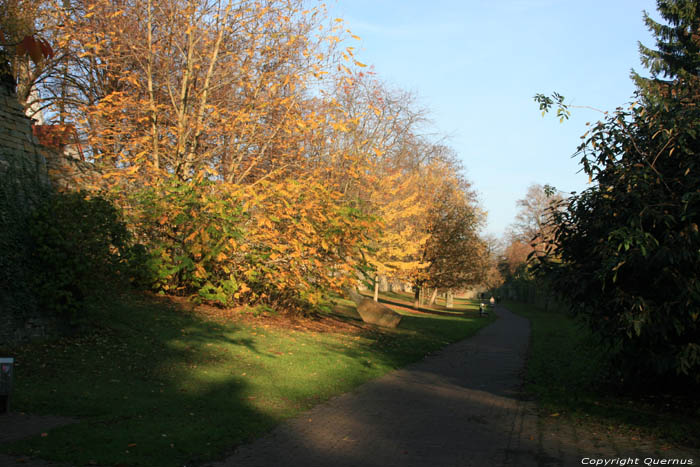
pixel 5 383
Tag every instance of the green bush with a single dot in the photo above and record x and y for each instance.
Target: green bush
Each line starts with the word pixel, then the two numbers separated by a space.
pixel 78 247
pixel 285 243
pixel 18 193
pixel 190 228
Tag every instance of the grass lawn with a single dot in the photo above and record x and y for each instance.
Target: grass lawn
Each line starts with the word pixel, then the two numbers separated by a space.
pixel 566 374
pixel 156 384
pixel 406 299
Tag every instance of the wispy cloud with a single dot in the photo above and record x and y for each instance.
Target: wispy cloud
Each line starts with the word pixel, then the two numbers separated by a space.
pixel 403 31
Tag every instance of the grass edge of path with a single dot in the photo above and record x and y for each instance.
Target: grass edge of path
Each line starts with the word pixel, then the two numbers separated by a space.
pixel 565 374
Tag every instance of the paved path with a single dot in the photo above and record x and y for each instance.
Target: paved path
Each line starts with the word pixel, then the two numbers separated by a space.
pixel 459 407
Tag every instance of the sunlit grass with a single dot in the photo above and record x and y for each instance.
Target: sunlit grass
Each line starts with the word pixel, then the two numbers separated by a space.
pixel 405 299
pixel 155 385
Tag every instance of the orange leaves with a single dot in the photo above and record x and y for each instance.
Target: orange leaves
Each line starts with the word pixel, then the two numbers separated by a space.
pixel 243 289
pixel 200 272
pixel 297 229
pixel 293 242
pixel 249 166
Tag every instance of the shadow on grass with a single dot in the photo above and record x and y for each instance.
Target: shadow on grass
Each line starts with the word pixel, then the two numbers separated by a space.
pixel 149 388
pixel 444 411
pixel 418 334
pixel 568 370
pixel 156 385
pixel 403 301
pixel 406 302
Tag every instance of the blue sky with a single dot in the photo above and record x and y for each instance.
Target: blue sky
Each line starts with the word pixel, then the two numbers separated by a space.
pixel 475 65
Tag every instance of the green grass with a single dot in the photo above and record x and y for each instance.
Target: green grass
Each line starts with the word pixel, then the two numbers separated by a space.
pixel 566 373
pixel 156 385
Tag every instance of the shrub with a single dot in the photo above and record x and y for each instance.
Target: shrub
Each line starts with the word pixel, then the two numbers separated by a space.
pixel 283 243
pixel 78 248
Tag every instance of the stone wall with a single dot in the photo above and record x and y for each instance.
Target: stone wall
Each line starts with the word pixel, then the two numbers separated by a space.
pixel 22 159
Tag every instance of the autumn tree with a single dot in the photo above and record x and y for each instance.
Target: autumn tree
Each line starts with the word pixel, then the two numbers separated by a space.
pixel 199 113
pixel 454 254
pixel 534 210
pixel 377 161
pixel 493 277
pixel 514 255
pixel 526 240
pixel 251 156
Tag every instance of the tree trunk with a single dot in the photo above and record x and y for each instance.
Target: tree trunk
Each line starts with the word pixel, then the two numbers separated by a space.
pixel 449 302
pixel 376 287
pixel 416 297
pixel 151 94
pixel 433 296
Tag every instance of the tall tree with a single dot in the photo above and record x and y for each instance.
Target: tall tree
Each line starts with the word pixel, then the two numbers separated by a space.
pixel 677 56
pixel 534 210
pixel 454 253
pixel 248 151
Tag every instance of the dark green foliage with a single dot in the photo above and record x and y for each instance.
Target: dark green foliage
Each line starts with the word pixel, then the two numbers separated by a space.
pixel 78 246
pixel 18 193
pixel 678 49
pixel 627 250
pixel 58 250
pixel 567 374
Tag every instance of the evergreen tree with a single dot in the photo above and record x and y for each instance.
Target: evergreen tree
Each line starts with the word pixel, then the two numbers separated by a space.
pixel 676 60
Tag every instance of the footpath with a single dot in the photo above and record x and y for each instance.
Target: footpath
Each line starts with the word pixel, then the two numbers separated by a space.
pixel 459 407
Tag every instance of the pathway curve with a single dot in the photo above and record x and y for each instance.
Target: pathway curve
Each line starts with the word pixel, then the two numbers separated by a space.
pixel 459 407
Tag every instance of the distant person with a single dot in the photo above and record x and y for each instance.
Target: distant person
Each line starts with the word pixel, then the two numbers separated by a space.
pixel 492 301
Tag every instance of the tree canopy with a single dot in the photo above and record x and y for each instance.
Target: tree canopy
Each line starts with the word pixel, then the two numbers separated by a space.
pixel 253 156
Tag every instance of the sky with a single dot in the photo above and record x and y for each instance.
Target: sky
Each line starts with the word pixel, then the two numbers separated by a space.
pixel 476 64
